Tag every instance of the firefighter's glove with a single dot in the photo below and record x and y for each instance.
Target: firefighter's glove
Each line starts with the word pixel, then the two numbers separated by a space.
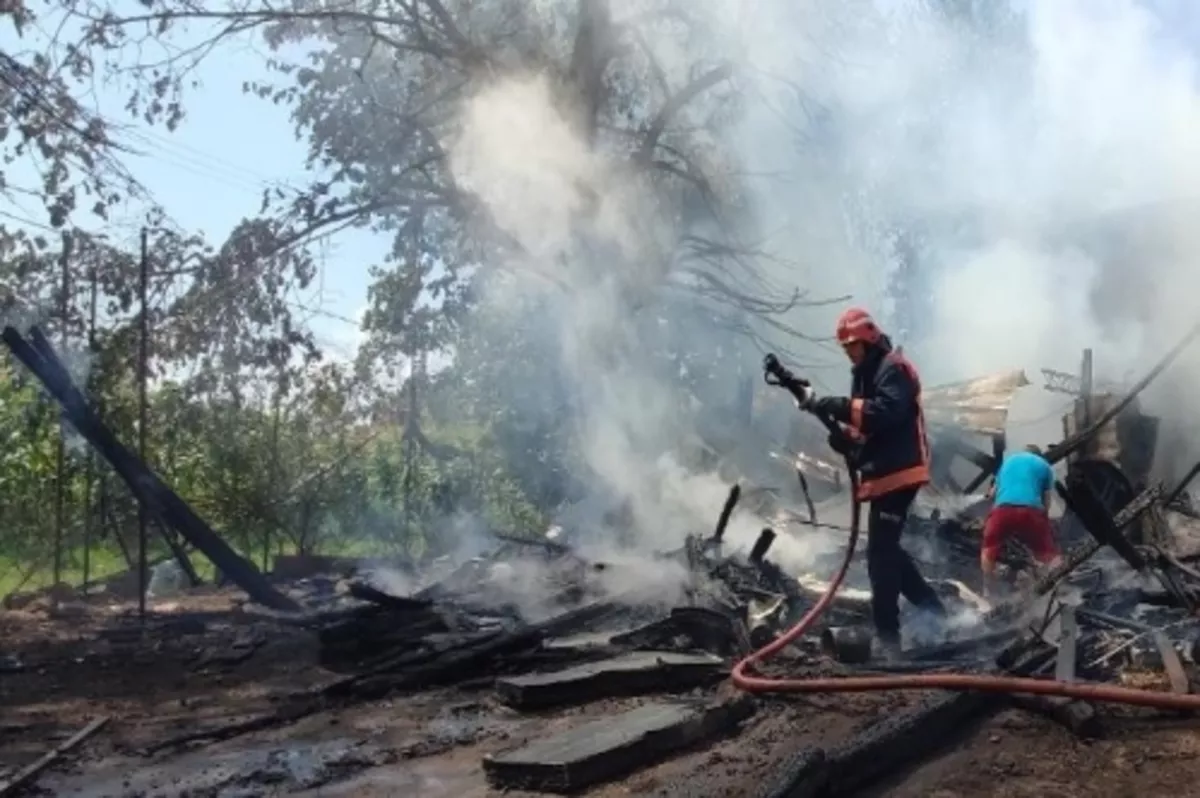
pixel 834 408
pixel 841 443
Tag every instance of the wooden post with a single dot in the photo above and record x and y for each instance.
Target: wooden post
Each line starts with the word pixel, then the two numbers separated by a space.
pixel 1086 386
pixel 60 495
pixel 90 475
pixel 143 409
pixel 276 413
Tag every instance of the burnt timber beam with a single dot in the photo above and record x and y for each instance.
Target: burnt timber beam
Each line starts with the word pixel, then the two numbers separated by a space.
pixel 608 748
pixel 1082 501
pixel 1172 664
pixel 1068 644
pixel 630 674
pixel 899 740
pixel 145 485
pixel 49 359
pixel 1086 385
pixel 1078 717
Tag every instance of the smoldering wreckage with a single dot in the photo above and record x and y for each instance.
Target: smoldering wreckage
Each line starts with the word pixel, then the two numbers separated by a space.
pixel 600 682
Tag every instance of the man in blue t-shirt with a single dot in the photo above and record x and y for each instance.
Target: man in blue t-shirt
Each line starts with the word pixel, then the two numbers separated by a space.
pixel 1021 509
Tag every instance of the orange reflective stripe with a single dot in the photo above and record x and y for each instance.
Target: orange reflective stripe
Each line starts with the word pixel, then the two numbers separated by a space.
pixel 908 478
pixel 856 413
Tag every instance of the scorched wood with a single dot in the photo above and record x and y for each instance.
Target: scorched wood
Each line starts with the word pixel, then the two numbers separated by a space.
pixel 898 740
pixel 609 748
pixel 631 674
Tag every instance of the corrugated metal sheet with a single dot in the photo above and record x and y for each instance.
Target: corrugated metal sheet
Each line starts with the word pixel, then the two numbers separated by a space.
pixel 980 405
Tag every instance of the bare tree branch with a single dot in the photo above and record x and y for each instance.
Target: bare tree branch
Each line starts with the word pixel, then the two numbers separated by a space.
pixel 676 104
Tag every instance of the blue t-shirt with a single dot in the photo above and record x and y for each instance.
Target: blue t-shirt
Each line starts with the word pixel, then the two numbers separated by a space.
pixel 1024 477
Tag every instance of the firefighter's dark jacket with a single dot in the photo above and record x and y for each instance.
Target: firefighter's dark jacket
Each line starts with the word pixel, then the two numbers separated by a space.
pixel 884 413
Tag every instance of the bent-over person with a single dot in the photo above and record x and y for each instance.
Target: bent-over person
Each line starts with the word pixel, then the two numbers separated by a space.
pixel 1020 509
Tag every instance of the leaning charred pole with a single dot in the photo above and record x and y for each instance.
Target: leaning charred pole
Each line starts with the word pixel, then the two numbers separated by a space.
pixel 42 348
pixel 38 355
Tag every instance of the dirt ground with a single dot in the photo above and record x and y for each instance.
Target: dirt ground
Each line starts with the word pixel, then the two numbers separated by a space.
pixel 58 671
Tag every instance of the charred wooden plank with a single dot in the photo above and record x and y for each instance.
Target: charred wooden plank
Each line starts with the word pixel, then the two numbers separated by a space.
pixel 466 661
pixel 1172 664
pixel 28 775
pixel 688 628
pixel 1068 642
pixel 1078 717
pixel 610 748
pixel 365 592
pixel 1081 499
pixel 806 775
pixel 452 666
pixel 631 674
pixel 882 748
pixel 457 661
pixel 765 539
pixel 898 740
pixel 376 622
pixel 735 493
pixel 1114 621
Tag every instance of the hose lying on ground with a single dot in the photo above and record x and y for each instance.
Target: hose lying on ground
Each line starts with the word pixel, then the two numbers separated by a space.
pixel 744 678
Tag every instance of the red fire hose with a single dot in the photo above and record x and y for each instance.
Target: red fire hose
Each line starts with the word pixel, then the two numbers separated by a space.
pixel 744 678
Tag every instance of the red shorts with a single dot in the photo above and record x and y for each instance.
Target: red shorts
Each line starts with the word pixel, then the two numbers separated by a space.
pixel 1030 525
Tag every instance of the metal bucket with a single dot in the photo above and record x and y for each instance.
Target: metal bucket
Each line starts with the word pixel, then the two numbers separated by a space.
pixel 850 645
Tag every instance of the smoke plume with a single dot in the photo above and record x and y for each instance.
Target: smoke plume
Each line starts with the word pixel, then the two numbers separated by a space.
pixel 1000 182
pixel 1035 159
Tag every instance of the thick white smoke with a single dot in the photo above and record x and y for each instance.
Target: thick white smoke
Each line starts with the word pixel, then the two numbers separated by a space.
pixel 1045 125
pixel 1043 154
pixel 1010 140
pixel 587 234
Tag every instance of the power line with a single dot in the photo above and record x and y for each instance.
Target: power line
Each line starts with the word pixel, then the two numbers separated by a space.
pixel 47 228
pixel 205 164
pixel 326 314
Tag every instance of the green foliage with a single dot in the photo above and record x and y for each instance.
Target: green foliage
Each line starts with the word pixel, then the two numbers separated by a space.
pixel 290 460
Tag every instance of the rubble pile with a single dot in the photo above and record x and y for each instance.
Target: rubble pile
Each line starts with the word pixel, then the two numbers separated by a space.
pixel 538 627
pixel 581 643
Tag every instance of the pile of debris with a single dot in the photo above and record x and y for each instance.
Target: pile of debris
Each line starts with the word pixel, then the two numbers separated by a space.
pixel 585 643
pixel 543 626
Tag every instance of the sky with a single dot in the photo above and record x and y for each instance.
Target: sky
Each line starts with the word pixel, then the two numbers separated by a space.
pixel 210 173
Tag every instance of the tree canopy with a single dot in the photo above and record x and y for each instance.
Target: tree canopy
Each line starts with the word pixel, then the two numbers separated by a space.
pixel 463 400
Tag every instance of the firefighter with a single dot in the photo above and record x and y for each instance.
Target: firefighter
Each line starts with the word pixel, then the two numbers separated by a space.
pixel 884 430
